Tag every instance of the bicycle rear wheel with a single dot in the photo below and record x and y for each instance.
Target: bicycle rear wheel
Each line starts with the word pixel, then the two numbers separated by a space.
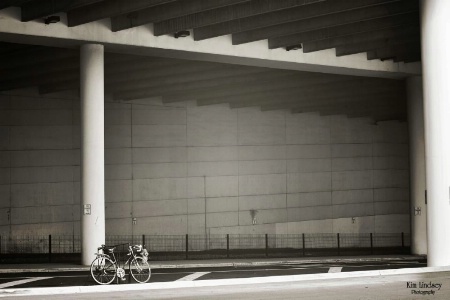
pixel 140 270
pixel 103 270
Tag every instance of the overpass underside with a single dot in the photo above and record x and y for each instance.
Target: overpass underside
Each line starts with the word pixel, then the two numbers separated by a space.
pixel 296 123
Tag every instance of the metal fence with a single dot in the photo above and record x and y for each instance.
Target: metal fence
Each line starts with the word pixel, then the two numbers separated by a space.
pixel 65 248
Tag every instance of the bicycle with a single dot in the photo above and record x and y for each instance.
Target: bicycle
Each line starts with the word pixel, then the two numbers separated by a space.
pixel 105 267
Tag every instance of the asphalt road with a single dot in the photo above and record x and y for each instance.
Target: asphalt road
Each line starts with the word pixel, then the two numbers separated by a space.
pixel 82 278
pixel 404 284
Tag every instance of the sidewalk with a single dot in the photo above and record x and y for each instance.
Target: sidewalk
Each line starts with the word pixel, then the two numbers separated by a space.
pixel 184 264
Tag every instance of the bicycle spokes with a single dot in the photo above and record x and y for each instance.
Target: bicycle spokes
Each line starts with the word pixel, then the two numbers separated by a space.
pixel 103 270
pixel 140 270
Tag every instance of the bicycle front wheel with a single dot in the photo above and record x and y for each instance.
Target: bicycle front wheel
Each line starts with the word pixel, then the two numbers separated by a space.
pixel 140 270
pixel 103 270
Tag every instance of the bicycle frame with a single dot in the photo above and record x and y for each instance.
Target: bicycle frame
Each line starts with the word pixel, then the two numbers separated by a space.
pixel 128 261
pixel 131 253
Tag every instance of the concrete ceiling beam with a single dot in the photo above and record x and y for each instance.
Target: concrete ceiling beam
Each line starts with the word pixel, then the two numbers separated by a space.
pixel 10 48
pixel 186 93
pixel 409 57
pixel 351 108
pixel 38 78
pixel 393 51
pixel 361 110
pixel 381 43
pixel 274 95
pixel 346 29
pixel 393 32
pixel 163 68
pixel 122 71
pixel 170 10
pixel 261 87
pixel 134 70
pixel 22 74
pixel 328 20
pixel 193 80
pixel 111 57
pixel 41 8
pixel 36 55
pixel 380 116
pixel 8 3
pixel 63 84
pixel 281 16
pixel 225 14
pixel 340 99
pixel 106 9
pixel 138 68
pixel 36 58
pixel 20 51
pixel 344 109
pixel 308 100
pixel 336 89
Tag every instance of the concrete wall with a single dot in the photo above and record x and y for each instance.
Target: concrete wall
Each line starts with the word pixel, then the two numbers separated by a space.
pixel 179 167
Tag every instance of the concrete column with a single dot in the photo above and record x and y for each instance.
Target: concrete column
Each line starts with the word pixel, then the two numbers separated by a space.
pixel 92 150
pixel 417 165
pixel 435 28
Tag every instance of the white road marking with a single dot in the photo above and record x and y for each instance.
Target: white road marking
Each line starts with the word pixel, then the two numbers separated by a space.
pixel 193 276
pixel 231 271
pixel 335 270
pixel 23 281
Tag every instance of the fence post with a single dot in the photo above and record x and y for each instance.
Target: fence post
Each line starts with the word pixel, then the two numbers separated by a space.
pixel 143 240
pixel 228 245
pixel 371 243
pixel 303 242
pixel 339 244
pixel 187 246
pixel 50 248
pixel 403 242
pixel 267 245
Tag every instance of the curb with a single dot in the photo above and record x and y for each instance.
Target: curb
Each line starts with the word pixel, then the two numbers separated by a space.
pixel 281 262
pixel 207 264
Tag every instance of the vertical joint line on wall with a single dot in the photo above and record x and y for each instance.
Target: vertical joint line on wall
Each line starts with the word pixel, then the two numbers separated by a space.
pixel 331 166
pixel 331 175
pixel 131 143
pixel 73 171
pixel 286 168
pixel 373 187
pixel 10 174
pixel 186 150
pixel 238 165
pixel 204 194
pixel 132 168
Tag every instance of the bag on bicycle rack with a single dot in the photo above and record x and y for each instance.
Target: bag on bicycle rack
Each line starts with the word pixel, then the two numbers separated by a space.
pixel 141 251
pixel 144 254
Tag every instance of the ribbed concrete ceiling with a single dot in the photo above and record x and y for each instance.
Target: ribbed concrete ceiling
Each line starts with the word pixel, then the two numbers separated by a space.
pixel 127 77
pixel 384 29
